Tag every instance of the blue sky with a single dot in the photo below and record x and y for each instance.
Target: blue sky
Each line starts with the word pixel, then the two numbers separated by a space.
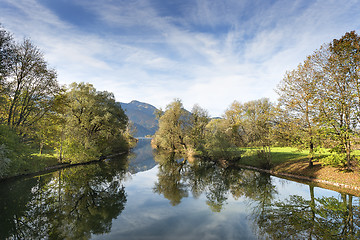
pixel 205 52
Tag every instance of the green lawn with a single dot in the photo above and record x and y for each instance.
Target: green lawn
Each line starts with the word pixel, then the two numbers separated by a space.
pixel 279 155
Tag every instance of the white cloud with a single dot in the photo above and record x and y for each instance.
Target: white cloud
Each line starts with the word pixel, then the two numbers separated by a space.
pixel 212 53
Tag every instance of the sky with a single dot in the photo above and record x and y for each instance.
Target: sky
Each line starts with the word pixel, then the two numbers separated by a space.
pixel 203 52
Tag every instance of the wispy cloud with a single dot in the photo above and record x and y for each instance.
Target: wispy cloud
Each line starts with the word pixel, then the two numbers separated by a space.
pixel 206 52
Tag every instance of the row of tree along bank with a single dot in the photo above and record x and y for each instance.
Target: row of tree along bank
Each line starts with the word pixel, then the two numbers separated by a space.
pixel 318 107
pixel 77 122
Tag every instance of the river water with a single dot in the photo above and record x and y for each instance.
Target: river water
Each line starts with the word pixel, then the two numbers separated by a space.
pixel 148 195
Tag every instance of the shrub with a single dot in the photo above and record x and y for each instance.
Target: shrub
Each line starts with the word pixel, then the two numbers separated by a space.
pixel 13 152
pixel 334 160
pixel 4 160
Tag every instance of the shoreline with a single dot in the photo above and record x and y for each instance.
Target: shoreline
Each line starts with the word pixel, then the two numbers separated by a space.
pixel 58 166
pixel 339 187
pixel 331 185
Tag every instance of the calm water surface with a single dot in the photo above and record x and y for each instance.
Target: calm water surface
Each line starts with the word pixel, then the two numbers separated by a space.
pixel 155 196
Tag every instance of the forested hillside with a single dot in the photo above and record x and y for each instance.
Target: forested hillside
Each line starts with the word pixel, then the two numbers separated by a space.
pixel 143 117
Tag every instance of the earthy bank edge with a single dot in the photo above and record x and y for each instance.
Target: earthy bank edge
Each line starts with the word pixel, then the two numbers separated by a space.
pixel 58 167
pixel 340 187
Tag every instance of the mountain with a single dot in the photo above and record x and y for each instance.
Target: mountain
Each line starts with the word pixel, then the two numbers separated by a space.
pixel 143 117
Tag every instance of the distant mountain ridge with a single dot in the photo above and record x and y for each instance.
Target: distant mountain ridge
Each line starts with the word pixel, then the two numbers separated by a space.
pixel 143 116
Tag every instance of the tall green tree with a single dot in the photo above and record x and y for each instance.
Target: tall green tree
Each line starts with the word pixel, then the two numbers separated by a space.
pixel 250 122
pixel 31 87
pixel 298 97
pixel 259 124
pixel 218 140
pixel 339 65
pixel 7 53
pixel 199 118
pixel 94 123
pixel 173 125
pixel 235 115
pixel 7 56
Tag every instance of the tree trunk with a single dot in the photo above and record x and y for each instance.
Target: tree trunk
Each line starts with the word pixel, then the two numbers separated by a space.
pixel 60 151
pixel 41 147
pixel 348 153
pixel 311 151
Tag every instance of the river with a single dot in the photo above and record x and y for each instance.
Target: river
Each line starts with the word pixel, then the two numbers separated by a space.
pixel 148 195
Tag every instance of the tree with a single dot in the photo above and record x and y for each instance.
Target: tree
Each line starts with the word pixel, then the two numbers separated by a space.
pixel 173 125
pixel 94 123
pixel 298 98
pixel 198 120
pixel 259 122
pixel 50 129
pixel 218 140
pixel 339 95
pixel 235 117
pixel 14 153
pixel 7 55
pixel 31 87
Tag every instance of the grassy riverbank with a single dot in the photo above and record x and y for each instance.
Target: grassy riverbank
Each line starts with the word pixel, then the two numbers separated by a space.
pixel 292 161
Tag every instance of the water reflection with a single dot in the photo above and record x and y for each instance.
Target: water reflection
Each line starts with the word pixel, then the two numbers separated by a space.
pixel 292 218
pixel 316 218
pixel 212 202
pixel 176 178
pixel 69 204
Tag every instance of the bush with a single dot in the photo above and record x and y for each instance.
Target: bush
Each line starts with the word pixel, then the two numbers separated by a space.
pixel 4 160
pixel 334 160
pixel 13 152
pixel 264 158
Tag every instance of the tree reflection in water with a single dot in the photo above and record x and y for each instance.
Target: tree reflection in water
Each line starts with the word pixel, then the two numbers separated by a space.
pixel 293 218
pixel 71 204
pixel 80 202
pixel 177 177
pixel 170 178
pixel 317 218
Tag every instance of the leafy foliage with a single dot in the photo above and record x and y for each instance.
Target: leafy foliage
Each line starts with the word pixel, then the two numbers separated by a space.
pixel 218 140
pixel 251 124
pixel 31 88
pixel 13 152
pixel 94 123
pixel 4 160
pixel 173 125
pixel 80 122
pixel 323 96
pixel 335 160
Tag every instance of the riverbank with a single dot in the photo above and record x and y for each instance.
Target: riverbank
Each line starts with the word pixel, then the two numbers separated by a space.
pixel 293 164
pixel 50 167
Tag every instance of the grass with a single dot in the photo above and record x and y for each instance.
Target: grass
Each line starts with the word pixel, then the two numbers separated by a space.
pixel 279 155
pixel 293 161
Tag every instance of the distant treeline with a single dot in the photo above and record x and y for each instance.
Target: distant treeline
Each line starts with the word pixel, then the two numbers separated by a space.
pixel 78 123
pixel 318 106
